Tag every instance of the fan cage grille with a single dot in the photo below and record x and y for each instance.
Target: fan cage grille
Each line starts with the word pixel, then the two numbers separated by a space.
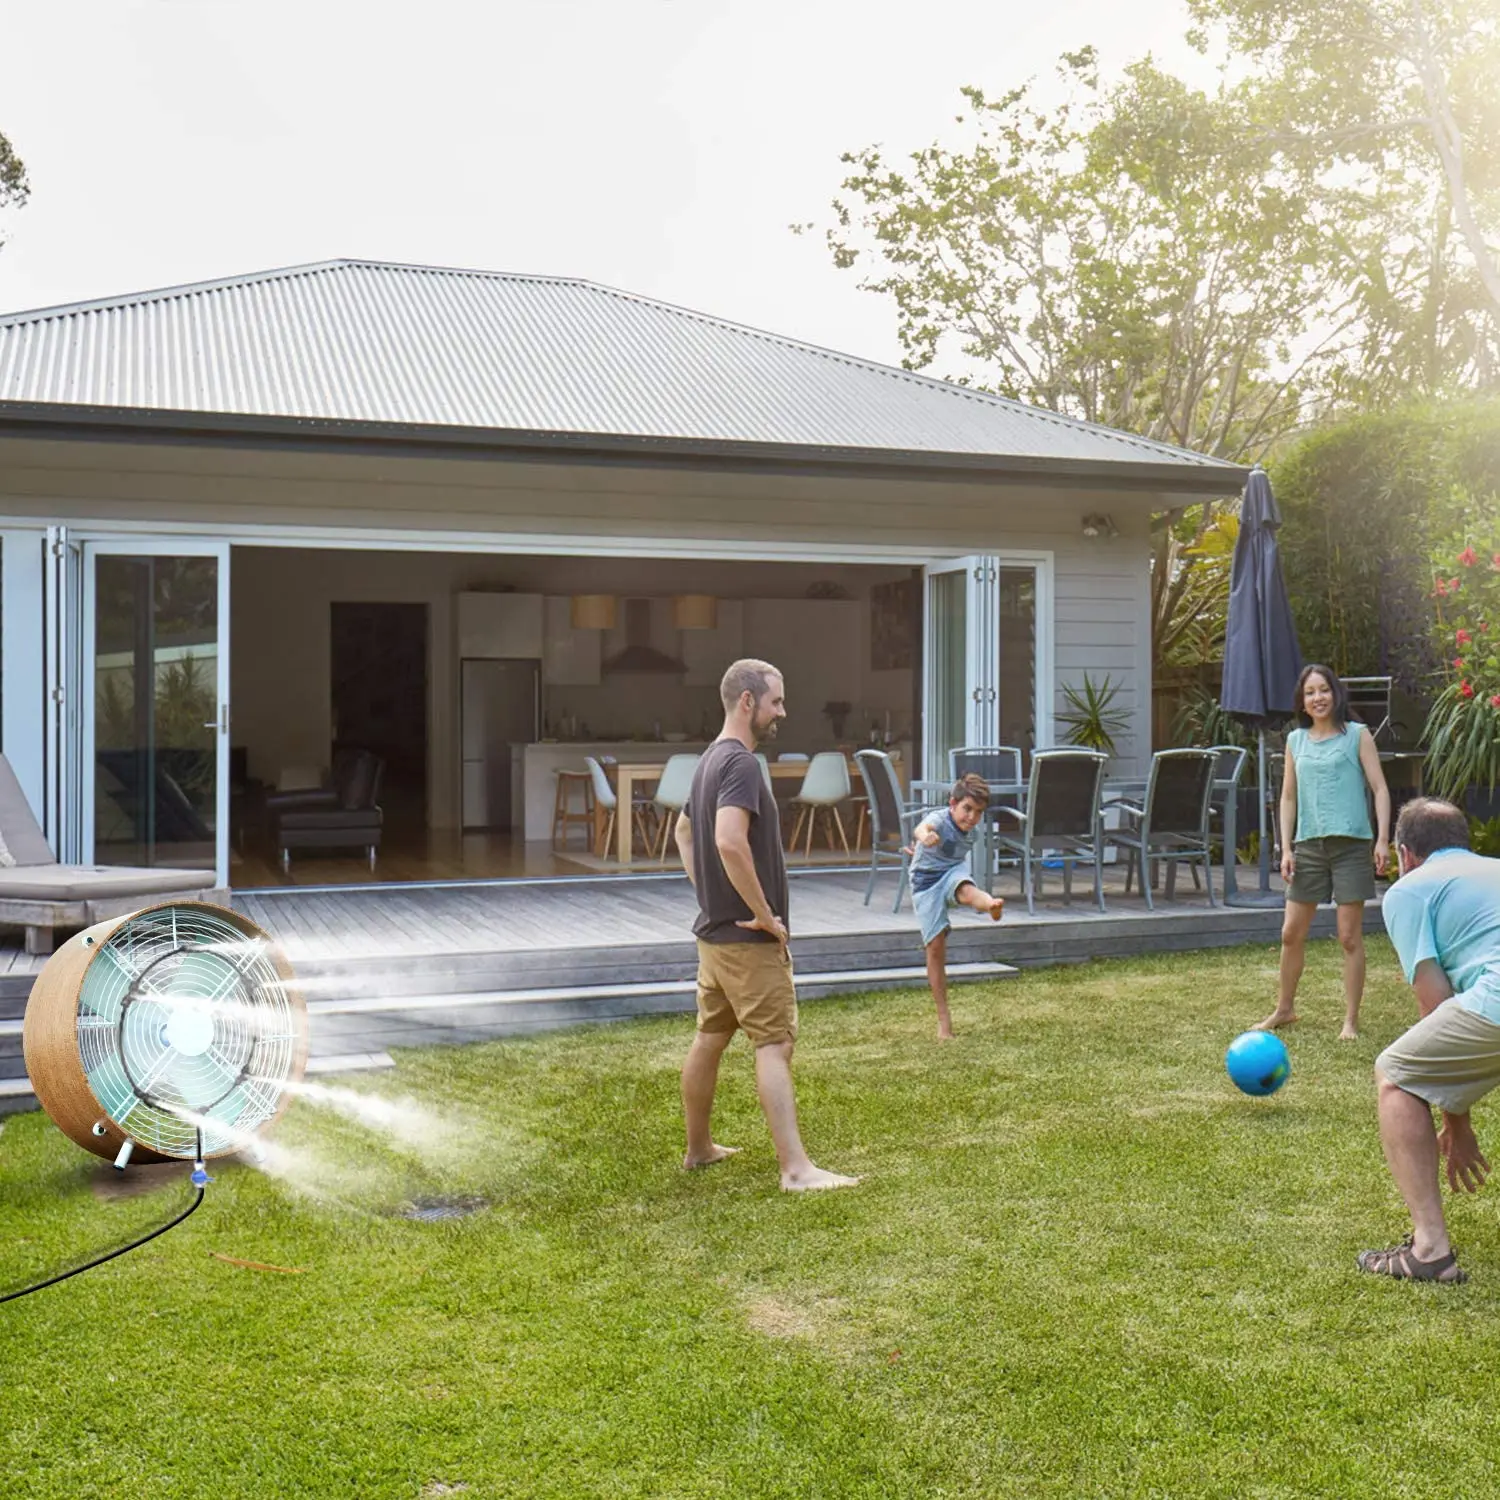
pixel 185 1022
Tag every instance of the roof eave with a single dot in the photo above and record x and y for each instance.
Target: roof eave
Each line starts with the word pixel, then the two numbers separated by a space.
pixel 60 420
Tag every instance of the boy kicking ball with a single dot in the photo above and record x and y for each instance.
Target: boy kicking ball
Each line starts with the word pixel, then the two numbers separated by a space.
pixel 940 877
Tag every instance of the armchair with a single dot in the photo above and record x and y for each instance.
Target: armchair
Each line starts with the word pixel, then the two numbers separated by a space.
pixel 344 814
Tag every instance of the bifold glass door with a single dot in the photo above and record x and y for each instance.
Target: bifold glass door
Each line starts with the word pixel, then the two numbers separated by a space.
pixel 986 638
pixel 156 698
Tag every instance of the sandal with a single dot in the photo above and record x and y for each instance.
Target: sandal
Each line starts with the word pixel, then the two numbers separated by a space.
pixel 1401 1264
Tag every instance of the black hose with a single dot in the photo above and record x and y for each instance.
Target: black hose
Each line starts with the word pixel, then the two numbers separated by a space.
pixel 124 1249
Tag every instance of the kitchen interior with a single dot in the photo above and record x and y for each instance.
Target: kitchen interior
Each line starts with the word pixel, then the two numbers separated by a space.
pixel 534 665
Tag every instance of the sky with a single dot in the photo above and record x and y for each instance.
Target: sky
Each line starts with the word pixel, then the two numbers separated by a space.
pixel 659 146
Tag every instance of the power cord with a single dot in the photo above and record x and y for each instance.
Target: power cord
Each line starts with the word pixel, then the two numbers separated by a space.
pixel 199 1179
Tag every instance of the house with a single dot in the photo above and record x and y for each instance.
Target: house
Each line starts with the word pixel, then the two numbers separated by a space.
pixel 325 506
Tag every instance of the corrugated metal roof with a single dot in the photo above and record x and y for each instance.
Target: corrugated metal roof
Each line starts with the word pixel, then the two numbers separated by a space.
pixel 362 341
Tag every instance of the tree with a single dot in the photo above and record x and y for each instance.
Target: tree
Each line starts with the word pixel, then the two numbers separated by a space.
pixel 14 188
pixel 1138 256
pixel 1403 95
pixel 1133 257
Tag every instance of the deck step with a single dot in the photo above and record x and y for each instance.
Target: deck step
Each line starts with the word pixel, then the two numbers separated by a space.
pixel 809 986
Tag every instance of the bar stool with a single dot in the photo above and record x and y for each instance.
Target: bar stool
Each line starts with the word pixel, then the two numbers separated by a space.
pixel 564 813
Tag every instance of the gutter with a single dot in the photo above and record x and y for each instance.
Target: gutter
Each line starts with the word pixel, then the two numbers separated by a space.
pixel 59 421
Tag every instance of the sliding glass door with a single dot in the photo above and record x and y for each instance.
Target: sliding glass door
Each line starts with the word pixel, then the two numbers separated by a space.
pixel 156 705
pixel 988 639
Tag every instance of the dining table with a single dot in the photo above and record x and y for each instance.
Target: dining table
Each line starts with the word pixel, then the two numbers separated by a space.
pixel 628 776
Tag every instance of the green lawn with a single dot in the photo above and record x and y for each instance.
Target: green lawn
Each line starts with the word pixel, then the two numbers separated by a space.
pixel 1081 1264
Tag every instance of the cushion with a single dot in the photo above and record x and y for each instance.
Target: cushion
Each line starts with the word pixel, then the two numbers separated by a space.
pixel 330 818
pixel 88 882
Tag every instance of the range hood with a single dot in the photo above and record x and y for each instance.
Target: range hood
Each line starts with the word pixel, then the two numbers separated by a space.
pixel 639 655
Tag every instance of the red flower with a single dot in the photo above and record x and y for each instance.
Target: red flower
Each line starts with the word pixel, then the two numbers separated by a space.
pixel 1453 585
pixel 1467 557
pixel 1465 690
pixel 1439 587
pixel 1495 562
pixel 1458 662
pixel 1495 701
pixel 1463 638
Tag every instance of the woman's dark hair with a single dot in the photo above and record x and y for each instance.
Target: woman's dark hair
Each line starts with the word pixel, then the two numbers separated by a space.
pixel 1428 824
pixel 1342 713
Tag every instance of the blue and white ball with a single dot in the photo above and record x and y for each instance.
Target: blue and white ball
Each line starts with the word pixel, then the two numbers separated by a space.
pixel 1258 1062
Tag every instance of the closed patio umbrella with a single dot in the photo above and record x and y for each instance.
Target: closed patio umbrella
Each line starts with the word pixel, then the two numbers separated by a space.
pixel 1261 657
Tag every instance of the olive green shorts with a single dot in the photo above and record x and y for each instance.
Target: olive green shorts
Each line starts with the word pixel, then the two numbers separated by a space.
pixel 1332 869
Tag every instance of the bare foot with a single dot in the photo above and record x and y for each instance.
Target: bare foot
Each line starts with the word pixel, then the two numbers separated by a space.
pixel 814 1179
pixel 1349 1034
pixel 945 1033
pixel 712 1155
pixel 997 910
pixel 1276 1020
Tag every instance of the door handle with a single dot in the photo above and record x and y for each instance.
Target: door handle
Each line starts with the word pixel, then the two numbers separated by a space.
pixel 222 722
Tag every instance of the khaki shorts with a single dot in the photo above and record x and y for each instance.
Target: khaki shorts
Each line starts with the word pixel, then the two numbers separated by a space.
pixel 1450 1058
pixel 747 986
pixel 1333 869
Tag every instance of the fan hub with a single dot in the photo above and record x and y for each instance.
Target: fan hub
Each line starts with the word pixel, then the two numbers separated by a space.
pixel 189 1031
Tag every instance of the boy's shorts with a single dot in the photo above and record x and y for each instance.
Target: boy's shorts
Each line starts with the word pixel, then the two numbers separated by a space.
pixel 1333 869
pixel 1450 1059
pixel 747 987
pixel 931 905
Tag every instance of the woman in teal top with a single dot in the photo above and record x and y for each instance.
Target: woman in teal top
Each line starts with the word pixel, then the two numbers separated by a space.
pixel 1327 849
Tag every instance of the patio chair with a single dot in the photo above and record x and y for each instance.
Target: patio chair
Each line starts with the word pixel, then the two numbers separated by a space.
pixel 765 772
pixel 892 815
pixel 825 785
pixel 1061 817
pixel 1172 824
pixel 39 894
pixel 997 764
pixel 1229 767
pixel 672 794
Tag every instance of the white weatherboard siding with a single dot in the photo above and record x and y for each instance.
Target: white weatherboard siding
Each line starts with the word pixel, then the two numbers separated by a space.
pixel 1102 627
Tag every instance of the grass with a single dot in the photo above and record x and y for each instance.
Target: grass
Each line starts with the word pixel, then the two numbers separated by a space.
pixel 1081 1265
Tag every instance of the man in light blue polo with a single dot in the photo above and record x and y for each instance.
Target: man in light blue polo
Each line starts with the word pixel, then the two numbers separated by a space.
pixel 1443 916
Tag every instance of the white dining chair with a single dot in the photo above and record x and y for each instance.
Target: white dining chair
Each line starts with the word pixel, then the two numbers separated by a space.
pixel 672 795
pixel 825 785
pixel 606 801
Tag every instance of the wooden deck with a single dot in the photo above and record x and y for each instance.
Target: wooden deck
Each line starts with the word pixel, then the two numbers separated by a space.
pixel 401 966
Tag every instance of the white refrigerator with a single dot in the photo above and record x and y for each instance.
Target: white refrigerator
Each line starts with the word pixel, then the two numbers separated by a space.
pixel 499 713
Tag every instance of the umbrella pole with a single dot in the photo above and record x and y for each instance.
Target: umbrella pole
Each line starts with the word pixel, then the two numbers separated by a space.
pixel 1265 852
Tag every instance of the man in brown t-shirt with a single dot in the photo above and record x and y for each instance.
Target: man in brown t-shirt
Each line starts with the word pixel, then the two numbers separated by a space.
pixel 729 835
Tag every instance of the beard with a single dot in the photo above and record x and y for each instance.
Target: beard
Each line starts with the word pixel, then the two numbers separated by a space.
pixel 763 729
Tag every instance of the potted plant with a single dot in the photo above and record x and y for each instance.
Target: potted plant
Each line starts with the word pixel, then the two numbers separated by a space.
pixel 1092 722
